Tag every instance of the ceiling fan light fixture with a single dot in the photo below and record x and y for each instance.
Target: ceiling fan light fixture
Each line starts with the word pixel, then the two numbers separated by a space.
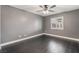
pixel 45 12
pixel 46 9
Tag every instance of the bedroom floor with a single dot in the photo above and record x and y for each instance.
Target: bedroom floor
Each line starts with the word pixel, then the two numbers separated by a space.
pixel 43 44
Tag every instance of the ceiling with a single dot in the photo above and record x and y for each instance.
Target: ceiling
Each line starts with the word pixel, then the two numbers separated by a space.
pixel 57 9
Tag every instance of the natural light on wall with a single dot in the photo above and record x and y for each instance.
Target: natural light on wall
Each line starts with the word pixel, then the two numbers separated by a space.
pixel 37 23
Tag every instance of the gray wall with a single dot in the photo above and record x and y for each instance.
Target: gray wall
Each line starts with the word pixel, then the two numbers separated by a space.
pixel 71 24
pixel 15 22
pixel 0 24
pixel 18 22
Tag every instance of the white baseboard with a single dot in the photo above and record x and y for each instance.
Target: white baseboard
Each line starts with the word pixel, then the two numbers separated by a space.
pixel 4 44
pixel 18 40
pixel 69 38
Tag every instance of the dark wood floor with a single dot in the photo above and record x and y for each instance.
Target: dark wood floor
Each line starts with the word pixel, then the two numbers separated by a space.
pixel 43 44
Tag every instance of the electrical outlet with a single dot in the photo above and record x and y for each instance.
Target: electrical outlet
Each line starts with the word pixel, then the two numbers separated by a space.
pixel 25 35
pixel 19 36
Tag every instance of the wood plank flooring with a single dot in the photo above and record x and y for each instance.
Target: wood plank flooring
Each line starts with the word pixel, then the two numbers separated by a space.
pixel 43 44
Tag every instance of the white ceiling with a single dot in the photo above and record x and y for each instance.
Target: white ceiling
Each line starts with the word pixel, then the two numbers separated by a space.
pixel 57 9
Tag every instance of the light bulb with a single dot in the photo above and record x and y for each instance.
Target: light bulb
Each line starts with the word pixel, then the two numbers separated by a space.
pixel 45 12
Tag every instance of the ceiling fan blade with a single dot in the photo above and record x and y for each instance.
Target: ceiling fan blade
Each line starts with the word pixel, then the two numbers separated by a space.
pixel 53 6
pixel 39 10
pixel 50 10
pixel 41 6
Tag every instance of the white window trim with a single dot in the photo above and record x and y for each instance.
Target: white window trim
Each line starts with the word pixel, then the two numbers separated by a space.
pixel 56 27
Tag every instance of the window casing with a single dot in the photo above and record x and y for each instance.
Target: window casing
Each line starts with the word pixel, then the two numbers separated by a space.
pixel 57 23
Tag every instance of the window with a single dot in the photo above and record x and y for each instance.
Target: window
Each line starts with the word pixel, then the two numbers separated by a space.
pixel 57 23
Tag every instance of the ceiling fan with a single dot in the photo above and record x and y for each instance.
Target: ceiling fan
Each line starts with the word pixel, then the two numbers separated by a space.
pixel 46 9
